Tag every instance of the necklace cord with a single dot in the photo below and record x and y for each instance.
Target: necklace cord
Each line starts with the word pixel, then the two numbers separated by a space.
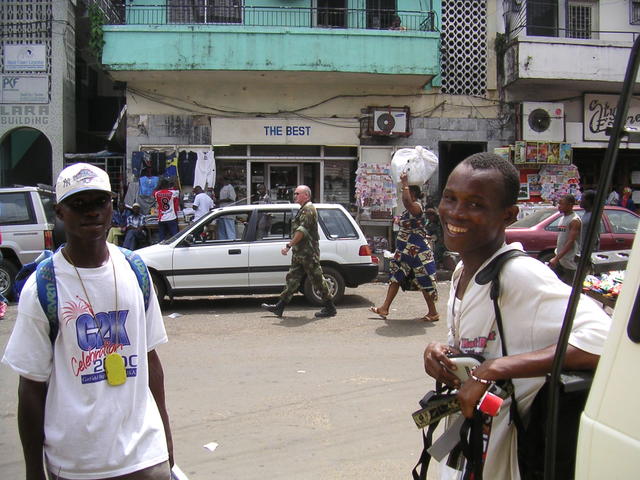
pixel 113 268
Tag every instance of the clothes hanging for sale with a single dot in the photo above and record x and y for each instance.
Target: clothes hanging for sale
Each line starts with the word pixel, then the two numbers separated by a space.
pixel 133 191
pixel 186 166
pixel 171 170
pixel 205 173
pixel 148 185
pixel 158 163
pixel 137 159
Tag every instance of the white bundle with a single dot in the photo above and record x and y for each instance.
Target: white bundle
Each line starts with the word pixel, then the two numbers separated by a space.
pixel 419 163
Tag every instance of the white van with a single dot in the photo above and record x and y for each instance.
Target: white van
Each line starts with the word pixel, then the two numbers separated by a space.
pixel 609 439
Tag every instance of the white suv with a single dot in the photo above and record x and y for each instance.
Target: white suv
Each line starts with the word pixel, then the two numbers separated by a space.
pixel 196 262
pixel 27 226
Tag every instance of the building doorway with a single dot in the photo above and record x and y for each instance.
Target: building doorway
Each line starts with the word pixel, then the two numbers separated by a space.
pixel 25 158
pixel 282 180
pixel 451 154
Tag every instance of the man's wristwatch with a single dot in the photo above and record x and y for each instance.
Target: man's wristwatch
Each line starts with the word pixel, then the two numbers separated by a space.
pixel 288 245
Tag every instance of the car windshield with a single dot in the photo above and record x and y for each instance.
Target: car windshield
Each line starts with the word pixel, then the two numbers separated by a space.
pixel 15 209
pixel 533 218
pixel 335 224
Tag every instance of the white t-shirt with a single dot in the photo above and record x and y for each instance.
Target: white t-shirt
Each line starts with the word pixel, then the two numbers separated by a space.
pixel 204 204
pixel 532 303
pixel 227 194
pixel 93 429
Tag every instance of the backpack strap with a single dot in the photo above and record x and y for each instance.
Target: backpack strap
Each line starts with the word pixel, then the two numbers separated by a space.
pixel 491 273
pixel 142 274
pixel 48 294
pixel 48 291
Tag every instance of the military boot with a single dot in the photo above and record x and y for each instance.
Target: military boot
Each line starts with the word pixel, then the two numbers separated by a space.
pixel 276 309
pixel 328 310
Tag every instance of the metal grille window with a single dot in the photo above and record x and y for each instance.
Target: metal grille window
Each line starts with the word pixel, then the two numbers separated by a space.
pixel 542 18
pixel 25 23
pixel 579 20
pixel 634 12
pixel 464 47
pixel 204 11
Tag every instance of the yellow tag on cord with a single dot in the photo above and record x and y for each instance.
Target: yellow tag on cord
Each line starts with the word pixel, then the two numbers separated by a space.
pixel 114 367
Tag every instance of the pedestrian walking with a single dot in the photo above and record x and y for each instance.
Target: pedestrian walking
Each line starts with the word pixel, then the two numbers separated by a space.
pixel 586 202
pixel 568 243
pixel 626 200
pixel 91 396
pixel 305 258
pixel 413 266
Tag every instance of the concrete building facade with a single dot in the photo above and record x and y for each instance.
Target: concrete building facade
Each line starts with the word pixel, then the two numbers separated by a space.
pixel 37 106
pixel 564 62
pixel 308 92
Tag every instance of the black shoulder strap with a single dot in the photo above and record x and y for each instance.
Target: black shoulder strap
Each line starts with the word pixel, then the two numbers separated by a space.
pixel 491 273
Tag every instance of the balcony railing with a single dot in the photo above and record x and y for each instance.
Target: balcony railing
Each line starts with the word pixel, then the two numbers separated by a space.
pixel 217 14
pixel 542 18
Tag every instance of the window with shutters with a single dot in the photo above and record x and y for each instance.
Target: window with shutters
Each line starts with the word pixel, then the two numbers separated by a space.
pixel 634 12
pixel 580 19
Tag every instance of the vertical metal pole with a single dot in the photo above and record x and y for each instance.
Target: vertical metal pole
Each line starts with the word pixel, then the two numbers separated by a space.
pixel 606 175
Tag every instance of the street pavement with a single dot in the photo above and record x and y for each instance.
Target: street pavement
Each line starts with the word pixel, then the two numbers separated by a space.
pixel 282 398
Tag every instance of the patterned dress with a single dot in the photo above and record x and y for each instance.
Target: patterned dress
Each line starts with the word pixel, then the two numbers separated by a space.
pixel 413 265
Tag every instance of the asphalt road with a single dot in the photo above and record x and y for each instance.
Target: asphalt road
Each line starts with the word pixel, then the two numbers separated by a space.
pixel 290 398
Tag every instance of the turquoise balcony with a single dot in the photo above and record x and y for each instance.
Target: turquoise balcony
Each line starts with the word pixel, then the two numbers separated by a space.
pixel 287 38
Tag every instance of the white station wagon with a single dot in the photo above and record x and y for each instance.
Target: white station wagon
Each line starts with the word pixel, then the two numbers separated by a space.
pixel 196 262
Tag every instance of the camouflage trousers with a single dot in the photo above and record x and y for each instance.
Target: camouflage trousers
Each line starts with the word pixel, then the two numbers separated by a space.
pixel 300 266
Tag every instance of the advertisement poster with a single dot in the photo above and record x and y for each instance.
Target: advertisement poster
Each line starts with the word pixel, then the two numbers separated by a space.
pixel 532 152
pixel 599 112
pixel 523 194
pixel 24 89
pixel 543 151
pixel 519 152
pixel 25 58
pixel 535 188
pixel 554 153
pixel 565 153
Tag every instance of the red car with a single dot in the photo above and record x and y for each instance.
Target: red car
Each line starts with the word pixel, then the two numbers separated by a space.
pixel 538 231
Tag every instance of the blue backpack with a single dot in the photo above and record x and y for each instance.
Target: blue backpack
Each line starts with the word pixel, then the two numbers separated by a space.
pixel 48 292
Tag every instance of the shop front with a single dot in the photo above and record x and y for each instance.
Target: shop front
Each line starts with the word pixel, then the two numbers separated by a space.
pixel 281 153
pixel 263 159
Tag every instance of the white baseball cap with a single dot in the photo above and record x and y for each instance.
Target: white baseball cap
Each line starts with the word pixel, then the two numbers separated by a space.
pixel 81 177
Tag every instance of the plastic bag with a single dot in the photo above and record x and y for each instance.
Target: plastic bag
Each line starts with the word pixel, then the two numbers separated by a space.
pixel 419 163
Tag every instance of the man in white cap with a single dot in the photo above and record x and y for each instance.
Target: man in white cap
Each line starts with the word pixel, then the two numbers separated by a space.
pixel 91 398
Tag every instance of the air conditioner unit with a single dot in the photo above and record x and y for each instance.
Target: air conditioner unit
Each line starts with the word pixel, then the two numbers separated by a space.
pixel 542 121
pixel 389 121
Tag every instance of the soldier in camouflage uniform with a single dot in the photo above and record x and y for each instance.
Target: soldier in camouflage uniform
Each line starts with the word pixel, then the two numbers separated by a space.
pixel 305 258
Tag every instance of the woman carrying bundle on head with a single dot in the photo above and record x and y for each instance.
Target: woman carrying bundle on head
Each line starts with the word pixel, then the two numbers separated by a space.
pixel 413 266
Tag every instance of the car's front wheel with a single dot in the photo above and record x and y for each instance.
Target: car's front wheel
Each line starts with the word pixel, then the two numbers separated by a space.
pixel 335 282
pixel 8 273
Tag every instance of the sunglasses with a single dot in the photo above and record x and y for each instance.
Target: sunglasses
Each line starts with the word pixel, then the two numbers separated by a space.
pixel 82 205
